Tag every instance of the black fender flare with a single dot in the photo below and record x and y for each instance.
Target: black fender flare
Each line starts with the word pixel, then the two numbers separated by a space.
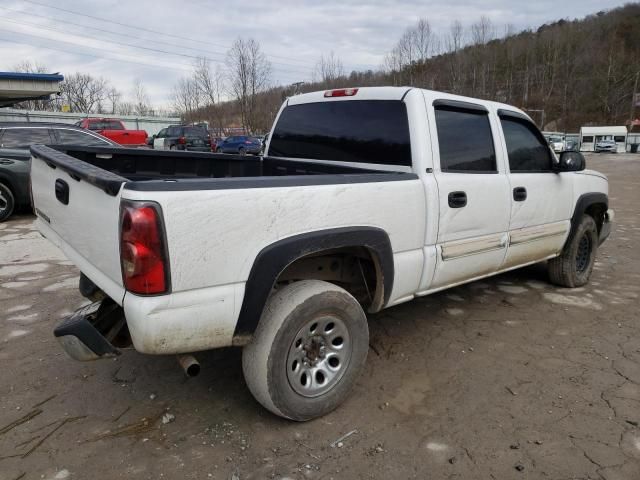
pixel 274 258
pixel 584 202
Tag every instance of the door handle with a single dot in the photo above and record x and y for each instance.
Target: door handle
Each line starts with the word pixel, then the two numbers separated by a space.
pixel 6 162
pixel 457 199
pixel 519 194
pixel 62 191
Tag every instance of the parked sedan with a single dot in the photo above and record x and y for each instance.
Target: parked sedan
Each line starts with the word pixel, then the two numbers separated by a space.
pixel 241 145
pixel 15 140
pixel 606 146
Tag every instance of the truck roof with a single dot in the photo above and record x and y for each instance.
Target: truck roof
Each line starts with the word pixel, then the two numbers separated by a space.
pixel 394 93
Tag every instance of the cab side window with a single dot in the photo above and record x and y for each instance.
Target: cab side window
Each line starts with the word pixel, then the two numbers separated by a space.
pixel 465 140
pixel 162 133
pixel 525 146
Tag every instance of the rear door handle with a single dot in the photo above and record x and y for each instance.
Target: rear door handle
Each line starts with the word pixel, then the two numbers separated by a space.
pixel 519 194
pixel 457 199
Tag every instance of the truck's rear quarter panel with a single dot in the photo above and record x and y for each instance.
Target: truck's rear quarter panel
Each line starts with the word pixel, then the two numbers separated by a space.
pixel 214 237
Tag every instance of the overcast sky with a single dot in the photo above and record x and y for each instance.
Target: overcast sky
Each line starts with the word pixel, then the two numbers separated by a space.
pixel 293 34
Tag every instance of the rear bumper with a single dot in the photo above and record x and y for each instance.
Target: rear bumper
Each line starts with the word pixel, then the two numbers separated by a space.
pixel 87 334
pixel 605 231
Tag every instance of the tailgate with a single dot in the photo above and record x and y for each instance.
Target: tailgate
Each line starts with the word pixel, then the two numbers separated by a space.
pixel 78 209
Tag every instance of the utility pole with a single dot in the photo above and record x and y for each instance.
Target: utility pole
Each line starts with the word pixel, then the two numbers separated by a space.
pixel 633 99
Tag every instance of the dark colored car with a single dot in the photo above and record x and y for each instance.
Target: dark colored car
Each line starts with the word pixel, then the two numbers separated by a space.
pixel 241 145
pixel 15 140
pixel 183 137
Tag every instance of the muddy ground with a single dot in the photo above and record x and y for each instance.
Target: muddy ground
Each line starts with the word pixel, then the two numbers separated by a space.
pixel 502 379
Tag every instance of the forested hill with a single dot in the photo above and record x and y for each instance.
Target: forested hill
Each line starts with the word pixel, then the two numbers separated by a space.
pixel 565 74
pixel 578 72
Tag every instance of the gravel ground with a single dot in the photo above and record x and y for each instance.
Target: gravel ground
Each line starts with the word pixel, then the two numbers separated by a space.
pixel 504 379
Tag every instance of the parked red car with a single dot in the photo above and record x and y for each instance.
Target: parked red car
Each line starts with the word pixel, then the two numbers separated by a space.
pixel 115 130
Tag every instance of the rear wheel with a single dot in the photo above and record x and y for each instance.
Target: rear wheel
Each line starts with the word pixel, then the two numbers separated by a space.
pixel 574 265
pixel 7 202
pixel 242 151
pixel 308 350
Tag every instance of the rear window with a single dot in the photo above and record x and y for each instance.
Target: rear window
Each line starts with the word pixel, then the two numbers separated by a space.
pixel 361 131
pixel 194 132
pixel 105 125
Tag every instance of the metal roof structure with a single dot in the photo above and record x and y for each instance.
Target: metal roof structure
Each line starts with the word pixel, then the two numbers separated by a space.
pixel 17 87
pixel 610 130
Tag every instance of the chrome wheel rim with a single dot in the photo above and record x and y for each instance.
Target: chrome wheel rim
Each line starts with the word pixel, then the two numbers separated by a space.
pixel 4 203
pixel 584 253
pixel 318 356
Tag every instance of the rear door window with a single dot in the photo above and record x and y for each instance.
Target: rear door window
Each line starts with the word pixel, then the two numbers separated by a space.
pixel 360 131
pixel 466 141
pixel 24 137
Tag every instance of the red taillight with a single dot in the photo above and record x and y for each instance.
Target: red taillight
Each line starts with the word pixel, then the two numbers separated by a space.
pixel 182 140
pixel 142 251
pixel 342 92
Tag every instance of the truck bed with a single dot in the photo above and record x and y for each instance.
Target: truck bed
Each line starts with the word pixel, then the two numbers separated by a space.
pixel 152 170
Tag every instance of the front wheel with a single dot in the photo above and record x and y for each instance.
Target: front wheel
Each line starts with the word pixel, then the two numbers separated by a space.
pixel 574 265
pixel 7 202
pixel 308 350
pixel 242 151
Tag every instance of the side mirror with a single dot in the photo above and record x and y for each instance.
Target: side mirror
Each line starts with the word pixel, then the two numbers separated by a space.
pixel 571 162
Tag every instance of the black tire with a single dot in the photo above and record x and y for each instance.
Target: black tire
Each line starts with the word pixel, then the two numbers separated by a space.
pixel 270 361
pixel 574 265
pixel 242 151
pixel 7 202
pixel 173 147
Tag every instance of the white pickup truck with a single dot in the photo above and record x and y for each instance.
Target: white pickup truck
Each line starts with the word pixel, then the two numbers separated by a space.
pixel 365 199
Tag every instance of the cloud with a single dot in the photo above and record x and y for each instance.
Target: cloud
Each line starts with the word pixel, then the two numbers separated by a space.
pixel 292 33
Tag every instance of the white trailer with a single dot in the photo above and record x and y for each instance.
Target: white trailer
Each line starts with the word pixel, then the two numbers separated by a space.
pixel 589 136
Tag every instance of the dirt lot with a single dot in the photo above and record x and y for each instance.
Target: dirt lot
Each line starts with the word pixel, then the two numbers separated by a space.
pixel 507 378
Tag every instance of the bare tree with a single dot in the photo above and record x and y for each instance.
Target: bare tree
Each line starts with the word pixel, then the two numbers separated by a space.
pixel 126 108
pixel 483 31
pixel 141 99
pixel 328 69
pixel 423 38
pixel 83 92
pixel 249 73
pixel 208 82
pixel 114 97
pixel 186 97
